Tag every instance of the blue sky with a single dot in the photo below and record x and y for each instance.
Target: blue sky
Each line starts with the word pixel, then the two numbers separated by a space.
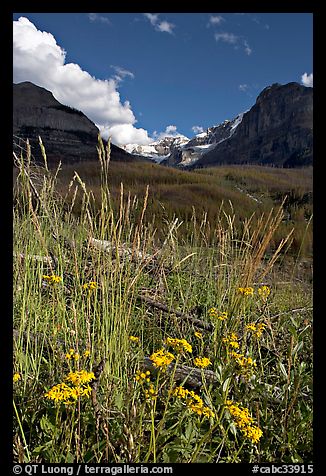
pixel 139 76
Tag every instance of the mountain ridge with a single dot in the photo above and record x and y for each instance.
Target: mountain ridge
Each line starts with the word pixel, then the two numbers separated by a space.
pixel 68 135
pixel 277 130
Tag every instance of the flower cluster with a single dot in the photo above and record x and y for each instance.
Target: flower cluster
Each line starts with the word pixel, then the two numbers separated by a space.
pixel 80 377
pixel 231 341
pixel 244 421
pixel 72 355
pixel 77 387
pixel 215 314
pixel 202 362
pixel 246 364
pixel 143 378
pixel 150 392
pixel 256 329
pixel 179 345
pixel 52 279
pixel 192 401
pixel 264 292
pixel 90 286
pixel 246 291
pixel 161 359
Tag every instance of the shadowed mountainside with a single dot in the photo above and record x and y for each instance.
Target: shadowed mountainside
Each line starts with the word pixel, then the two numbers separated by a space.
pixel 67 134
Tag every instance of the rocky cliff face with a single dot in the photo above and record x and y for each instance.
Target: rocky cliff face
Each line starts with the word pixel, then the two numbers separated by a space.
pixel 67 134
pixel 277 130
pixel 189 153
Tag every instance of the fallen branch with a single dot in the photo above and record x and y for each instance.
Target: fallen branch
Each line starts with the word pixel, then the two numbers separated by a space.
pixel 123 251
pixel 190 376
pixel 164 308
pixel 293 311
pixel 43 259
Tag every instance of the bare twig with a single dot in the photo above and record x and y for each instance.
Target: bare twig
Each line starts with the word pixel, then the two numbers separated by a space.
pixel 302 309
pixel 164 308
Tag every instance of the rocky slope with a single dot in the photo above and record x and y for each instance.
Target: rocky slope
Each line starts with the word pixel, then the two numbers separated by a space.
pixel 67 134
pixel 189 153
pixel 277 130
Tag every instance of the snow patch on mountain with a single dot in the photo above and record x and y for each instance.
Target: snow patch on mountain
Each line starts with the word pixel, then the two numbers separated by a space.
pixel 158 150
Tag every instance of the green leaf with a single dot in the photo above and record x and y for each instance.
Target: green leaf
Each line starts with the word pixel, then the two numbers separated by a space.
pixel 46 426
pixel 226 384
pixel 283 370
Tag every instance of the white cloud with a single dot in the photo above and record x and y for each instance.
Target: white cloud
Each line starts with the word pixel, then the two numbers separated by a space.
pixel 38 58
pixel 215 20
pixel 226 38
pixel 247 48
pixel 125 134
pixel 95 17
pixel 235 40
pixel 122 73
pixel 163 26
pixel 308 80
pixel 197 129
pixel 243 87
pixel 152 17
pixel 170 131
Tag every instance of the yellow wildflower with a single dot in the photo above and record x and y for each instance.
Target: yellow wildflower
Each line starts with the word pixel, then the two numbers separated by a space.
pixel 16 377
pixel 198 334
pixel 242 361
pixel 260 328
pixel 134 339
pixel 142 376
pixel 91 285
pixel 180 345
pixel 86 354
pixel 257 330
pixel 231 340
pixel 202 362
pixel 150 392
pixel 52 279
pixel 264 292
pixel 192 401
pixel 244 421
pixel 162 358
pixel 80 377
pixel 215 314
pixel 246 291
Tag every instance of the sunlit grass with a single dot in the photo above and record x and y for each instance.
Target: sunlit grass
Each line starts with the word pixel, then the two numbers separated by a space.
pixel 101 376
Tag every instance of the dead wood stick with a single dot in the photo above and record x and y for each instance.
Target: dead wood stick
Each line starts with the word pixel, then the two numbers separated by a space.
pixel 43 259
pixel 293 311
pixel 190 376
pixel 123 250
pixel 163 307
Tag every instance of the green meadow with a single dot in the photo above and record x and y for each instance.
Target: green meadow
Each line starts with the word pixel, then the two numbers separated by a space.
pixel 162 315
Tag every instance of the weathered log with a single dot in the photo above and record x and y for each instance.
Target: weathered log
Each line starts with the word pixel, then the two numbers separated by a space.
pixel 185 375
pixel 43 259
pixel 207 326
pixel 122 250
